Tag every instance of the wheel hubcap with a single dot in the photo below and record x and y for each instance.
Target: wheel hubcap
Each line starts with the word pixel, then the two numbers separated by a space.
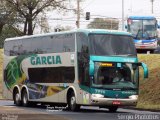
pixel 17 97
pixel 73 100
pixel 25 99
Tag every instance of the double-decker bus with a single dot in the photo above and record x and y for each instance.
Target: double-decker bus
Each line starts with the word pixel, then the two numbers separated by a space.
pixel 81 67
pixel 144 31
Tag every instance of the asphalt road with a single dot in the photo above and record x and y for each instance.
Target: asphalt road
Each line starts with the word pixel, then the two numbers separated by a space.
pixel 8 111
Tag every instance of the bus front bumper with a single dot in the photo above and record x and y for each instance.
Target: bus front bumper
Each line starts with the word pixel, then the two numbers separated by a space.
pixel 114 101
pixel 146 46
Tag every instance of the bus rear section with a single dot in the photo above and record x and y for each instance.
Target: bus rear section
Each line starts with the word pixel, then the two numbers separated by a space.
pixel 39 68
pixel 144 31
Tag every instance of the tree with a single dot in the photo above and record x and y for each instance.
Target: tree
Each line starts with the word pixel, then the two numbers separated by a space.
pixel 59 28
pixel 6 15
pixel 104 23
pixel 44 24
pixel 30 9
pixel 8 32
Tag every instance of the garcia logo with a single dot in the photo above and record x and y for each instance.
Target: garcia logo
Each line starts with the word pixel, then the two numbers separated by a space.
pixel 44 60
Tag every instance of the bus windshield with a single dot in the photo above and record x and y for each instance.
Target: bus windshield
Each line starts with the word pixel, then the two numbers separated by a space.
pixel 108 44
pixel 115 77
pixel 142 29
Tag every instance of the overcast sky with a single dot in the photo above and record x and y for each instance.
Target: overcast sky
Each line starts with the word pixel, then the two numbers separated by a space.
pixel 106 8
pixel 114 7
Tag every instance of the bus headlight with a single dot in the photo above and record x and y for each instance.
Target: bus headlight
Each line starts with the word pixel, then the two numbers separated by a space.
pixel 133 97
pixel 97 96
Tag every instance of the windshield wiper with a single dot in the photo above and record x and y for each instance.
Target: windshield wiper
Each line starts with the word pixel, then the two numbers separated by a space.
pixel 137 33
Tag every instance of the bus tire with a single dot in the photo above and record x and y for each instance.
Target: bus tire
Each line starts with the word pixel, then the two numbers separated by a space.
pixel 113 108
pixel 25 101
pixel 72 103
pixel 16 98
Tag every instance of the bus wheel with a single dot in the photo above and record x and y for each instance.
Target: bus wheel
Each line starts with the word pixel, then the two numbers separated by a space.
pixel 25 101
pixel 113 108
pixel 17 100
pixel 72 103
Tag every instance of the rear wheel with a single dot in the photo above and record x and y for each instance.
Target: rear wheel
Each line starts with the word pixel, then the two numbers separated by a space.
pixel 16 98
pixel 113 108
pixel 25 101
pixel 72 103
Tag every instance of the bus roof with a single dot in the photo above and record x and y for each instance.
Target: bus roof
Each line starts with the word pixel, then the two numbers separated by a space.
pixel 103 31
pixel 141 17
pixel 86 31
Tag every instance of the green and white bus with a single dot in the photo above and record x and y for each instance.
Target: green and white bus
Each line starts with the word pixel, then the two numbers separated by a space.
pixel 82 67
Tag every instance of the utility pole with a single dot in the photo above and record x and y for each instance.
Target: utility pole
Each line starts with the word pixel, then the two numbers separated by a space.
pixel 122 15
pixel 152 5
pixel 78 14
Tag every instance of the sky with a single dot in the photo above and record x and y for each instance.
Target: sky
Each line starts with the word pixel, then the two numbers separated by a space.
pixel 104 9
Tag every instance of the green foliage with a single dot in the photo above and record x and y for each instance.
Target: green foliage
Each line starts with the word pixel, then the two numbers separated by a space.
pixel 7 15
pixel 7 32
pixel 100 23
pixel 28 10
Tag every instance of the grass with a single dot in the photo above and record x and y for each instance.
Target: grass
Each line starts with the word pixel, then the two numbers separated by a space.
pixel 1 67
pixel 149 97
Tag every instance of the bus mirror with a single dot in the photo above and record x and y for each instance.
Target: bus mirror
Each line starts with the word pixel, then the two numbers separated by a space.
pixel 145 68
pixel 134 66
pixel 139 64
pixel 158 26
pixel 91 70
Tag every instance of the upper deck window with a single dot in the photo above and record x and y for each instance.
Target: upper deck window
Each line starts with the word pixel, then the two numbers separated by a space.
pixel 40 45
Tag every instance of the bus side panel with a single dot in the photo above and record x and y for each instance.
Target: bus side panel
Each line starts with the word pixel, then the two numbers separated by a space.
pixel 6 92
pixel 52 80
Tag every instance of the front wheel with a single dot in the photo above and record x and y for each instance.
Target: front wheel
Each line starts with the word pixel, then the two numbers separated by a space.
pixel 72 103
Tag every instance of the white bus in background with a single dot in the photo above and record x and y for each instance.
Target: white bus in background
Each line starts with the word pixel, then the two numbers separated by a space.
pixel 145 32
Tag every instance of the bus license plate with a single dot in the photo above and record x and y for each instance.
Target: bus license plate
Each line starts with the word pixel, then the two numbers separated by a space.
pixel 116 102
pixel 142 46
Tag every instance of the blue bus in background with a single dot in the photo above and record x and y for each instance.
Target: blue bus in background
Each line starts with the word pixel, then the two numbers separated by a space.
pixel 144 31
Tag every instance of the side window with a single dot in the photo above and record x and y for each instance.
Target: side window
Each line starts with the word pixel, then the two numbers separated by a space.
pixel 26 46
pixel 69 42
pixel 36 45
pixel 7 48
pixel 68 75
pixel 82 43
pixel 17 47
pixel 64 43
pixel 13 48
pixel 52 75
pixel 57 43
pixel 39 45
pixel 83 58
pixel 47 44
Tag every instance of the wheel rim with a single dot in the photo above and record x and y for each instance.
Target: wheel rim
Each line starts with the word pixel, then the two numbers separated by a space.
pixel 73 101
pixel 25 99
pixel 17 97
